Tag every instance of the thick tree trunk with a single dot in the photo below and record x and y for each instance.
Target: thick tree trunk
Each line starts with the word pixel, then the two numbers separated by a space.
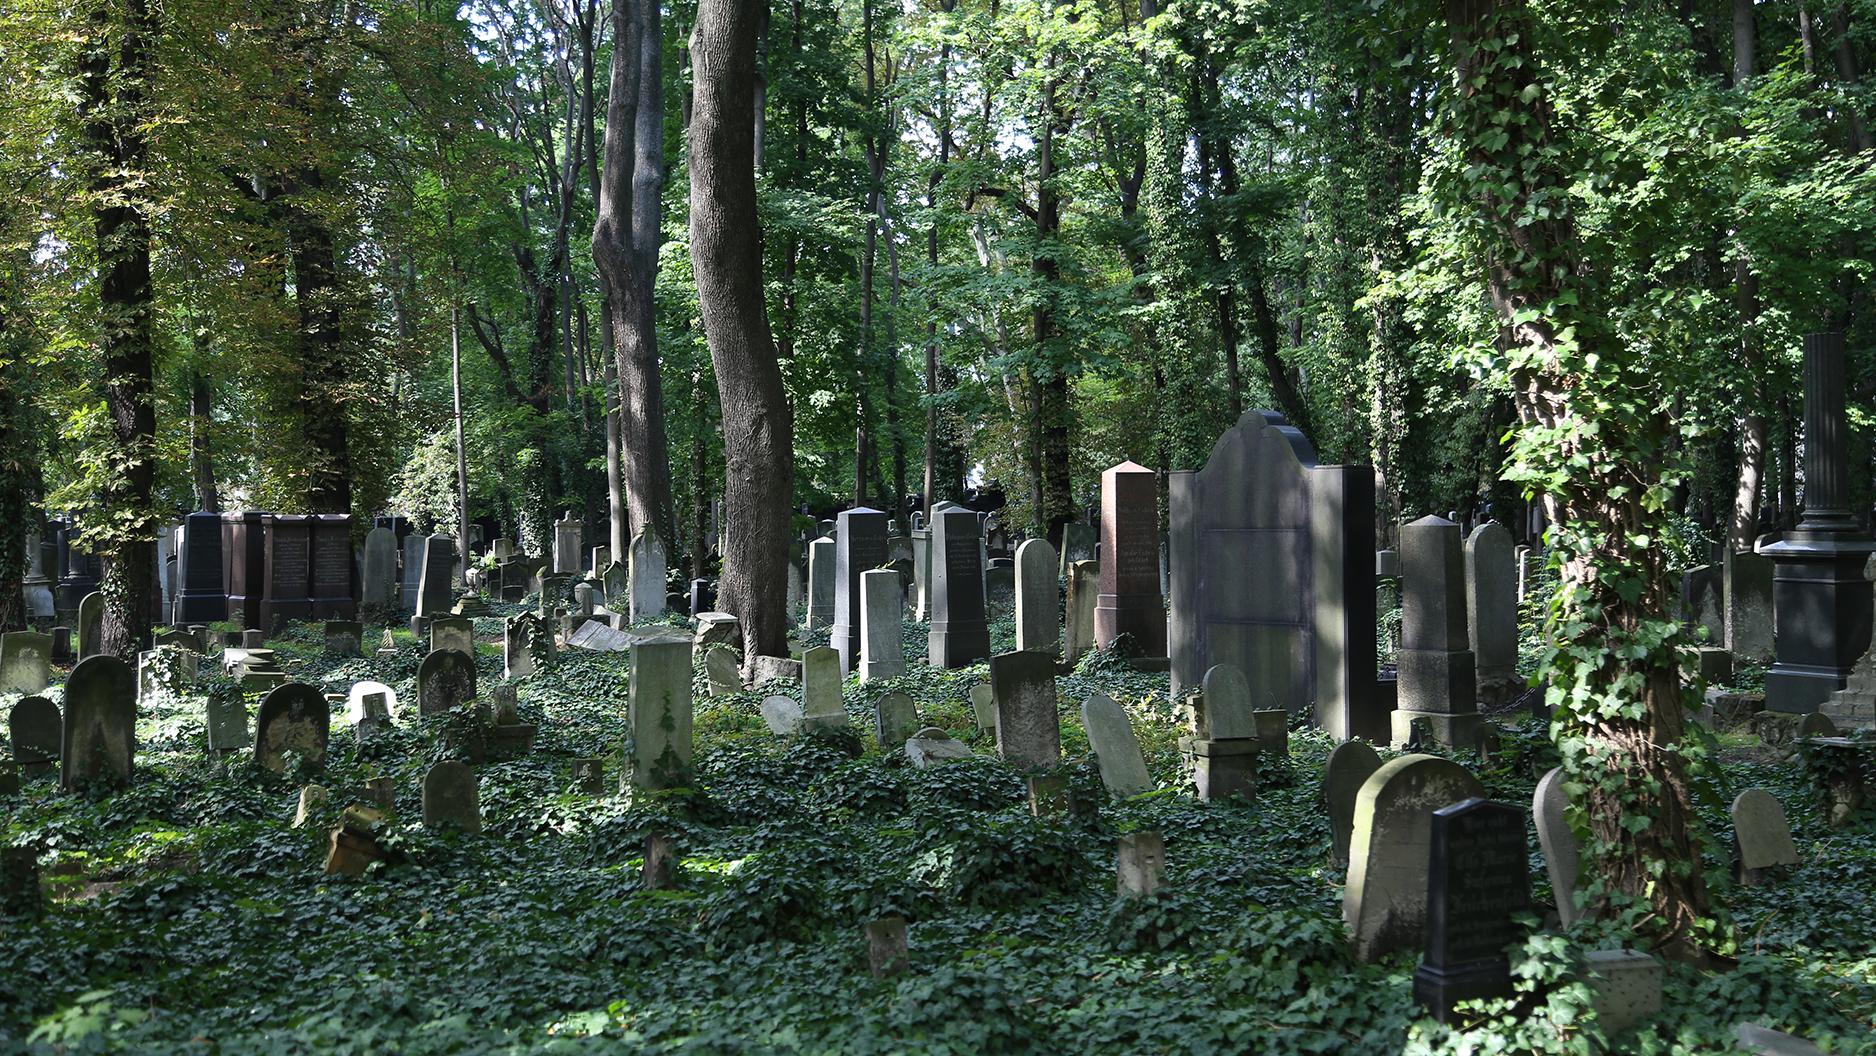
pixel 113 122
pixel 726 251
pixel 201 453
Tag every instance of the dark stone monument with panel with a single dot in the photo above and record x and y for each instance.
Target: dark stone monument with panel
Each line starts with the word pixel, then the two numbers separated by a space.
pixel 959 633
pixel 1273 572
pixel 1821 602
pixel 859 546
pixel 244 564
pixel 1477 881
pixel 332 592
pixel 203 593
pixel 287 570
pixel 79 572
pixel 1129 599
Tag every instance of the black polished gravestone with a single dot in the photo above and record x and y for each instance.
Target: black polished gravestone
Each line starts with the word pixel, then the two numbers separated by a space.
pixel 200 571
pixel 244 565
pixel 1821 604
pixel 955 589
pixel 859 546
pixel 331 591
pixel 1477 883
pixel 288 570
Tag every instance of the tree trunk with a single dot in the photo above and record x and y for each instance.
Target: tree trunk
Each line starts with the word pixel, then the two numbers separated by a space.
pixel 462 460
pixel 113 123
pixel 726 251
pixel 201 453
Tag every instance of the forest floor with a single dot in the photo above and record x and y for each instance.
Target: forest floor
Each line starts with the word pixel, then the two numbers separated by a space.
pixel 187 915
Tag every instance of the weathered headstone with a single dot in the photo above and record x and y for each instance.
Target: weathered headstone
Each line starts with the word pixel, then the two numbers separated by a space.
pixel 882 630
pixel 718 628
pixel 226 723
pixel 859 547
pixel 1116 749
pixel 567 545
pixel 1384 902
pixel 345 637
pixel 445 681
pixel 90 624
pixel 1350 765
pixel 1141 865
pixel 1038 625
pixel 355 707
pixel 1761 835
pixel 378 581
pixel 646 571
pixel 1562 855
pixel 330 593
pixel 659 712
pixel 1078 627
pixel 1477 883
pixel 1492 604
pixel 820 687
pixel 722 671
pixel 984 706
pixel 931 746
pixel 782 714
pixel 959 633
pixel 1272 571
pixel 1223 747
pixel 99 735
pixel 1000 588
pixel 895 718
pixel 1078 543
pixel 1029 727
pixel 1129 601
pixel 1747 598
pixel 452 796
pixel 1627 987
pixel 921 573
pixel 293 719
pixel 1438 676
pixel 25 661
pixel 314 799
pixel 353 845
pixel 35 730
pixel 886 950
pixel 453 632
pixel 821 562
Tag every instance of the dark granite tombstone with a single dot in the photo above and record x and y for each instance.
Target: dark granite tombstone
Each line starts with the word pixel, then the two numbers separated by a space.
pixel 433 584
pixel 959 634
pixel 36 731
pixel 79 571
pixel 1476 883
pixel 244 564
pixel 1438 682
pixel 445 681
pixel 98 741
pixel 702 598
pixel 295 718
pixel 331 592
pixel 1129 599
pixel 1272 570
pixel 288 570
pixel 203 597
pixel 1821 602
pixel 859 546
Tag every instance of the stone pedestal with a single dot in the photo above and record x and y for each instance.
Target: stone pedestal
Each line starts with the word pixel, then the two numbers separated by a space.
pixel 1438 683
pixel 1821 602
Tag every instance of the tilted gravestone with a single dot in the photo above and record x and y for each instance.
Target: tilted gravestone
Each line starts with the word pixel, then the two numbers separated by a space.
pixel 433 579
pixel 1438 676
pixel 99 737
pixel 1562 853
pixel 782 714
pixel 959 632
pixel 1760 834
pixel 35 730
pixel 1116 749
pixel 659 712
pixel 1272 570
pixel 1350 765
pixel 25 661
pixel 1492 604
pixel 451 797
pixel 895 718
pixel 1129 600
pixel 90 625
pixel 882 630
pixel 1029 727
pixel 1038 622
pixel 721 671
pixel 931 746
pixel 1384 902
pixel 226 722
pixel 294 719
pixel 445 681
pixel 821 562
pixel 1477 883
pixel 355 700
pixel 859 547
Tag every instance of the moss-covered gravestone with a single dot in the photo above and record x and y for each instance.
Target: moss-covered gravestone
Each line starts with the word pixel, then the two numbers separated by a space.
pixel 1116 749
pixel 25 661
pixel 451 797
pixel 90 624
pixel 1029 727
pixel 35 729
pixel 1350 765
pixel 1384 903
pixel 659 712
pixel 294 719
pixel 99 741
pixel 445 681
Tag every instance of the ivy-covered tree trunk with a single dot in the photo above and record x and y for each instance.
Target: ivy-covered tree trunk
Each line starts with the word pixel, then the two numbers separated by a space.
pixel 17 448
pixel 726 252
pixel 1596 440
pixel 113 114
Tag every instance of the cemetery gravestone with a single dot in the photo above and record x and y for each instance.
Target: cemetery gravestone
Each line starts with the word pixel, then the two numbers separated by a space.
pixel 647 572
pixel 445 681
pixel 1350 765
pixel 90 624
pixel 1384 900
pixel 931 746
pixel 433 579
pixel 1029 731
pixel 411 584
pixel 227 722
pixel 659 712
pixel 984 706
pixel 782 714
pixel 821 562
pixel 1000 587
pixel 331 595
pixel 1078 631
pixel 1223 747
pixel 959 634
pixel 1078 541
pixel 453 632
pixel 882 632
pixel 355 708
pixel 287 570
pixel 1760 834
pixel 378 584
pixel 1116 749
pixel 1271 572
pixel 721 670
pixel 1129 599
pixel 1561 852
pixel 25 661
pixel 451 797
pixel 1438 677
pixel 36 732
pixel 886 949
pixel 517 645
pixel 1038 627
pixel 567 546
pixel 293 719
pixel 1476 884
pixel 895 718
pixel 1492 604
pixel 859 547
pixel 1703 601
pixel 202 597
pixel 1746 596
pixel 244 563
pixel 1141 867
pixel 820 687
pixel 345 638
pixel 98 740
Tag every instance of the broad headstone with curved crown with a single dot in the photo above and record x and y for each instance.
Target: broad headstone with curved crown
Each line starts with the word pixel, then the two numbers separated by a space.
pixel 99 736
pixel 1384 902
pixel 35 729
pixel 445 681
pixel 25 661
pixel 1116 748
pixel 293 720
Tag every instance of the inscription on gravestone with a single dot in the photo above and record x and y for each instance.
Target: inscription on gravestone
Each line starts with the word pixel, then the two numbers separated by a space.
pixel 1476 883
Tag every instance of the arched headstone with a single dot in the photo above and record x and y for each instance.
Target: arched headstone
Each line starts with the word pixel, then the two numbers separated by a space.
pixel 445 681
pixel 90 624
pixel 451 796
pixel 1038 601
pixel 35 730
pixel 99 735
pixel 1116 749
pixel 294 719
pixel 1384 902
pixel 1350 765
pixel 1561 853
pixel 354 704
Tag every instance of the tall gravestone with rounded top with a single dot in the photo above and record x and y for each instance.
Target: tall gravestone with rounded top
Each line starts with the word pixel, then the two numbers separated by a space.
pixel 1492 604
pixel 1349 767
pixel 1129 599
pixel 1038 613
pixel 99 737
pixel 859 547
pixel 821 583
pixel 445 681
pixel 1550 803
pixel 959 633
pixel 1384 902
pixel 294 720
pixel 1272 570
pixel 90 624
